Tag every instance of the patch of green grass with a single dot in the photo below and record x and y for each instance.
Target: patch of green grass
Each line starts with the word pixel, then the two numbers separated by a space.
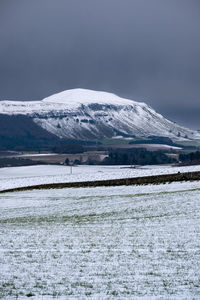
pixel 116 141
pixel 194 143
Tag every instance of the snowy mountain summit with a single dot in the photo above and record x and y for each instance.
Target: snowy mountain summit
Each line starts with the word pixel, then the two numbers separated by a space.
pixel 87 114
pixel 83 96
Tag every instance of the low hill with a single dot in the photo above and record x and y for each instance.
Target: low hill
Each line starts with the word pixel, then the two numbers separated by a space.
pixel 92 115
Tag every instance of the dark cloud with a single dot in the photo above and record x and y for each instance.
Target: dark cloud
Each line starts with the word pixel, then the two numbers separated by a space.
pixel 147 50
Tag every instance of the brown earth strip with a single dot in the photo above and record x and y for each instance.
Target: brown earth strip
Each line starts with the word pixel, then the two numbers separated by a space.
pixel 156 179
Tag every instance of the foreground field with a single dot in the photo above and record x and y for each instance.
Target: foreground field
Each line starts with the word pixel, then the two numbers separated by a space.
pixel 103 243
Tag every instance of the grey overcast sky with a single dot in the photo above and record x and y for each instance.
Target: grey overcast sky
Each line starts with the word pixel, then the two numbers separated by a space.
pixel 146 50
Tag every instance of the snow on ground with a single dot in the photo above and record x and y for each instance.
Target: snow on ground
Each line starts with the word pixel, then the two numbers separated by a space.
pixel 36 154
pixel 155 146
pixel 33 175
pixel 127 242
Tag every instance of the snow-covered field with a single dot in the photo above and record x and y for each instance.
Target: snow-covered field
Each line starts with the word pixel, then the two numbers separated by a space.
pixel 135 242
pixel 33 175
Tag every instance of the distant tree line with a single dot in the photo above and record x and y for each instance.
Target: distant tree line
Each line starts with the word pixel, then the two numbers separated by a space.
pixel 190 157
pixel 139 156
pixel 15 162
pixel 68 148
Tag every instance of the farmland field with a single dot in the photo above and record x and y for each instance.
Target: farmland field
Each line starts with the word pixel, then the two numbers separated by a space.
pixel 123 242
pixel 34 175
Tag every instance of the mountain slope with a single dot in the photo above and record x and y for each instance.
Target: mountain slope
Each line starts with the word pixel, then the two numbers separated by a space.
pixel 20 132
pixel 86 114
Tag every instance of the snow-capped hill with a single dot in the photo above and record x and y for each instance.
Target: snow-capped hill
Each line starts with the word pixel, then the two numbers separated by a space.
pixel 84 96
pixel 86 114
